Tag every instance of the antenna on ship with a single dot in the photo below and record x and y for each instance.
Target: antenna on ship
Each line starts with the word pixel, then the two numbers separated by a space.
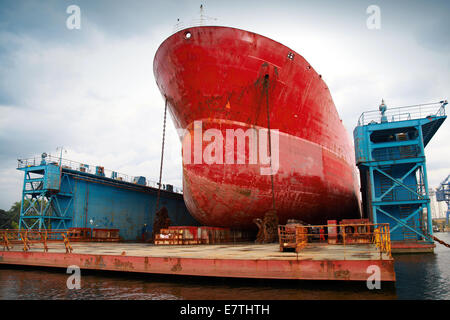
pixel 201 14
pixel 204 17
pixel 178 26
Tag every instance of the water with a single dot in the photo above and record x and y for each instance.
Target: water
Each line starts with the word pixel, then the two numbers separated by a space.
pixel 425 276
pixel 419 276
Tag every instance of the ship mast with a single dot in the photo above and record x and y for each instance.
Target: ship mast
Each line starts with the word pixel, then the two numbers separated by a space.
pixel 203 17
pixel 201 14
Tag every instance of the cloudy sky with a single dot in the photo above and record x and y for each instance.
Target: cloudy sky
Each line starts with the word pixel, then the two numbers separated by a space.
pixel 92 90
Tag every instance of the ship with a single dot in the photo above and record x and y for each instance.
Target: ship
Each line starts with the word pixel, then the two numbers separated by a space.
pixel 216 79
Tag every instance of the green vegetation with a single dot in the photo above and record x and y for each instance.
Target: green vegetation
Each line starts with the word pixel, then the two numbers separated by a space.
pixel 10 219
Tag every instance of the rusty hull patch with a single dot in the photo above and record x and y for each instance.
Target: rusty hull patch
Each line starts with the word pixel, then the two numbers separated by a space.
pixel 127 265
pixel 342 274
pixel 177 267
pixel 95 261
pixel 245 192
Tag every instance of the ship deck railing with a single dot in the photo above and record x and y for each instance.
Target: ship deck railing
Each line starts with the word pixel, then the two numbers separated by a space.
pixel 204 21
pixel 395 114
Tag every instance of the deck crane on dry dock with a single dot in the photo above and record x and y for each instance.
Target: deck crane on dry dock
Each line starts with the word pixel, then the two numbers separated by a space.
pixel 443 194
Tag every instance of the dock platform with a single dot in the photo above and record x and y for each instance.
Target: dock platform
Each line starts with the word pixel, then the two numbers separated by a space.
pixel 412 247
pixel 247 260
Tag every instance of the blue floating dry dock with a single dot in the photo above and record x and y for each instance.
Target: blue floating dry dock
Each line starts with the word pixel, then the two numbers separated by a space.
pixel 64 194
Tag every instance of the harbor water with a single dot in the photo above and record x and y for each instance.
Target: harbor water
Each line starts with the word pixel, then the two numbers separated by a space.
pixel 419 276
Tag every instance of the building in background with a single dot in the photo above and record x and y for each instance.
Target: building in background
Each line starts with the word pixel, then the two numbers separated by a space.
pixel 438 208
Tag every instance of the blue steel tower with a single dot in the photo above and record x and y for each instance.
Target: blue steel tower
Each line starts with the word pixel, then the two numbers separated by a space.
pixel 390 154
pixel 47 197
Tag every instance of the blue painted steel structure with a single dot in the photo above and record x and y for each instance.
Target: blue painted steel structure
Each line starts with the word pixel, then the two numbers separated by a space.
pixel 60 194
pixel 443 194
pixel 390 155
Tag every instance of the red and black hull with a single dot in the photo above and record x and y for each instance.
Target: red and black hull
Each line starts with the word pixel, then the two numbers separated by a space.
pixel 228 79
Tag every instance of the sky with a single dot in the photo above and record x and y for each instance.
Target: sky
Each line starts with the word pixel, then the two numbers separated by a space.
pixel 92 90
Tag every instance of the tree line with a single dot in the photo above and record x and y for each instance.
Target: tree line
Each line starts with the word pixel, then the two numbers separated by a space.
pixel 10 219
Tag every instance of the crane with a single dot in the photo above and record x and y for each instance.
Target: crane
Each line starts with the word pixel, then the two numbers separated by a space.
pixel 443 194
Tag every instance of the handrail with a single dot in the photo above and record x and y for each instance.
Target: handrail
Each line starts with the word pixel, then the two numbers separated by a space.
pixel 9 237
pixel 394 114
pixel 204 21
pixel 298 236
pixel 29 237
pixel 85 168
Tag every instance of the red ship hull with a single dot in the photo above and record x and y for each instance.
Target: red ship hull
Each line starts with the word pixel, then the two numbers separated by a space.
pixel 226 78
